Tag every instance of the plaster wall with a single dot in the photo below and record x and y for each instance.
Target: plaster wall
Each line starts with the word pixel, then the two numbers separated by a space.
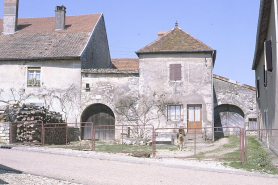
pixel 267 102
pixel 57 75
pixel 195 86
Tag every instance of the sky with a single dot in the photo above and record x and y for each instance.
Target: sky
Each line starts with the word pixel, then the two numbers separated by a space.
pixel 228 26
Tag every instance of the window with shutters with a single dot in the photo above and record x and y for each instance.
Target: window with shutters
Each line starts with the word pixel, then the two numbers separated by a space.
pixel 175 112
pixel 258 89
pixel 268 55
pixel 34 76
pixel 265 76
pixel 175 72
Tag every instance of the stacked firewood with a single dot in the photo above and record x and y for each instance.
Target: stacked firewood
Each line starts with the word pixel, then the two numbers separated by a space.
pixel 32 113
pixel 27 123
pixel 27 132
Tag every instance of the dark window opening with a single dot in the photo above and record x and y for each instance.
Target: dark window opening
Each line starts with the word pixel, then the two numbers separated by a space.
pixel 175 72
pixel 258 88
pixel 87 87
pixel 268 54
pixel 265 76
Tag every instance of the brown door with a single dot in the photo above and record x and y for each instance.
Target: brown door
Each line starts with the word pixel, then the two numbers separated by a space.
pixel 194 118
pixel 104 122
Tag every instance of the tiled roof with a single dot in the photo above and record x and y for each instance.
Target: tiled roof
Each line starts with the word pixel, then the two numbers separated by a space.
pixel 233 81
pixel 175 40
pixel 262 29
pixel 126 63
pixel 37 38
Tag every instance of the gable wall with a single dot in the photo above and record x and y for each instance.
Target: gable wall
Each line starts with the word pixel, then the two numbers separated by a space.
pixel 97 54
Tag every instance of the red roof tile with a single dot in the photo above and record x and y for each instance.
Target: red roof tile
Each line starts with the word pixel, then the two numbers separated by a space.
pixel 37 38
pixel 175 40
pixel 126 63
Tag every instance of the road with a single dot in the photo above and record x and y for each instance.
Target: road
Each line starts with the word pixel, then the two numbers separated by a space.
pixel 100 171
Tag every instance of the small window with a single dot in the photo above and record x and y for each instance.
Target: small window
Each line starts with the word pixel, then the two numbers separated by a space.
pixel 252 124
pixel 34 77
pixel 175 112
pixel 175 72
pixel 268 55
pixel 258 89
pixel 87 87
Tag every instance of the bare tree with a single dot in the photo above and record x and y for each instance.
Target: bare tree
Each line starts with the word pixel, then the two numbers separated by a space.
pixel 141 110
pixel 67 99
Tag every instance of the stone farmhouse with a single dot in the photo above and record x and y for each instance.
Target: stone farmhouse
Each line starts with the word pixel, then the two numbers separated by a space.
pixel 64 63
pixel 265 66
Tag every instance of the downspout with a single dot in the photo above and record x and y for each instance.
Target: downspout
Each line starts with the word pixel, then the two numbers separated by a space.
pixel 213 54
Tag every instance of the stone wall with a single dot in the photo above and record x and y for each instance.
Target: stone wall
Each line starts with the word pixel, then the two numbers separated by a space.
pixel 4 133
pixel 106 86
pixel 239 98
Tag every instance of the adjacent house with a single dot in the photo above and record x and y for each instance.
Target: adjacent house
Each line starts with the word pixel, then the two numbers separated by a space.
pixel 41 58
pixel 265 66
pixel 64 63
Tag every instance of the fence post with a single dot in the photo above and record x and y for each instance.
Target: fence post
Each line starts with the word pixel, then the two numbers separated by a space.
pixel 11 133
pixel 195 142
pixel 153 142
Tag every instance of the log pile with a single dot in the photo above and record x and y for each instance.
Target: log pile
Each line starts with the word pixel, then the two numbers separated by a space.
pixel 32 113
pixel 27 124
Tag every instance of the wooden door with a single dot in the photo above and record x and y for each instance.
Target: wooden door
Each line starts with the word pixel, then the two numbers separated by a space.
pixel 101 116
pixel 194 118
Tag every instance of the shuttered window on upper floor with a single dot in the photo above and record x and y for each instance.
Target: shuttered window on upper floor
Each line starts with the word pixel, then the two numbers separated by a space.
pixel 258 88
pixel 268 55
pixel 175 72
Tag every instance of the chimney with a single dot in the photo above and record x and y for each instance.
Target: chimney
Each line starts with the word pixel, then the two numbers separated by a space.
pixel 10 16
pixel 161 33
pixel 60 17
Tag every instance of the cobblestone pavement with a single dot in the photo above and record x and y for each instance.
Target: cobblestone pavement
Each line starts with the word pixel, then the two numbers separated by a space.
pixel 15 178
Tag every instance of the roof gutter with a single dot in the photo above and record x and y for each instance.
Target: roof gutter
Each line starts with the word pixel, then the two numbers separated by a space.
pixel 255 62
pixel 41 58
pixel 213 52
pixel 168 51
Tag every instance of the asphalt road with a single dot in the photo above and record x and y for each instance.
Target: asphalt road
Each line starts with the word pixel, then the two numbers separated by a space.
pixel 97 171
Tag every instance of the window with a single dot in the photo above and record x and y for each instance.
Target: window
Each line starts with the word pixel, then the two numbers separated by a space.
pixel 265 76
pixel 258 88
pixel 252 124
pixel 175 112
pixel 34 77
pixel 268 55
pixel 87 87
pixel 175 72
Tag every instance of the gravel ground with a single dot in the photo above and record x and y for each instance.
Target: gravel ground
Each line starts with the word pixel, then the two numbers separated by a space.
pixel 14 178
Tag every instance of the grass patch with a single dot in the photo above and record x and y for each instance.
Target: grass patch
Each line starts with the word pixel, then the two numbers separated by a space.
pixel 167 147
pixel 257 159
pixel 102 146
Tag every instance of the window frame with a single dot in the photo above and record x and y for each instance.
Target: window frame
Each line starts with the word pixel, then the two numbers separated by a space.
pixel 180 115
pixel 34 81
pixel 175 72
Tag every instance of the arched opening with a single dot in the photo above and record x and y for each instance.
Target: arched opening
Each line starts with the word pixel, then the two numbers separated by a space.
pixel 99 115
pixel 227 115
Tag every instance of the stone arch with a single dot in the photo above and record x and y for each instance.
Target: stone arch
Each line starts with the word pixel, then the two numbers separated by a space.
pixel 227 115
pixel 98 114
